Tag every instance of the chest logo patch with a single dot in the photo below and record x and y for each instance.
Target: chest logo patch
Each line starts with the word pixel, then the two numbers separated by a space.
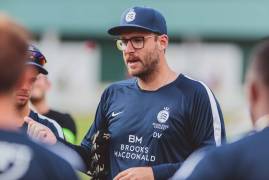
pixel 163 115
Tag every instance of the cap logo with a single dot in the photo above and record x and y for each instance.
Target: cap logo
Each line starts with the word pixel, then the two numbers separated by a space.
pixel 130 16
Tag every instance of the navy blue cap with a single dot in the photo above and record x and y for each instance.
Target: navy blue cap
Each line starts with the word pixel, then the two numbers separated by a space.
pixel 140 18
pixel 37 59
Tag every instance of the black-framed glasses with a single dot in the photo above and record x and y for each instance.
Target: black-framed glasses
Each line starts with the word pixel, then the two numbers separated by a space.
pixel 137 42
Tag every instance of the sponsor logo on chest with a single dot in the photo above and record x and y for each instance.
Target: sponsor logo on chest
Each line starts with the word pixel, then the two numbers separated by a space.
pixel 160 125
pixel 163 115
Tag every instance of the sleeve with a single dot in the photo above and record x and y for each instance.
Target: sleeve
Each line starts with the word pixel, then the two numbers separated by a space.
pixel 206 120
pixel 165 171
pixel 49 165
pixel 206 169
pixel 81 151
pixel 59 168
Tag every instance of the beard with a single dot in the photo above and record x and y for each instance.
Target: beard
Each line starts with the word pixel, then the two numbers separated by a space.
pixel 20 104
pixel 147 66
pixel 21 98
pixel 35 100
pixel 38 94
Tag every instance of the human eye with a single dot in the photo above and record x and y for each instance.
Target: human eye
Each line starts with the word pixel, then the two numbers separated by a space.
pixel 124 41
pixel 137 40
pixel 33 79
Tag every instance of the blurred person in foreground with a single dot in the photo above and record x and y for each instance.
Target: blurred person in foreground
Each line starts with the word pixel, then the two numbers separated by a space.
pixel 20 157
pixel 247 158
pixel 22 93
pixel 38 99
pixel 155 120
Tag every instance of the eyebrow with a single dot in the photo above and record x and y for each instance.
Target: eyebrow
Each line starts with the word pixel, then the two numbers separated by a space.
pixel 131 37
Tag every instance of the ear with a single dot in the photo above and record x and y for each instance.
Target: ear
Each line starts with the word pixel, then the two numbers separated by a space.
pixel 162 42
pixel 253 93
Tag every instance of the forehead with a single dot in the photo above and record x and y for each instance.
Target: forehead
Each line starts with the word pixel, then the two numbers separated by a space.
pixel 30 71
pixel 42 78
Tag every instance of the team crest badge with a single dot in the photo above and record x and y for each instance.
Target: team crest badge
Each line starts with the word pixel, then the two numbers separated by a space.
pixel 130 16
pixel 163 115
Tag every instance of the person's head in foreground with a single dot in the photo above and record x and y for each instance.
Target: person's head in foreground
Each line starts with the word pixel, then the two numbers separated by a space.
pixel 13 55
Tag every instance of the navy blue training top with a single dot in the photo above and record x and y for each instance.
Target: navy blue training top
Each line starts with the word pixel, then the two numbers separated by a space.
pixel 25 160
pixel 157 128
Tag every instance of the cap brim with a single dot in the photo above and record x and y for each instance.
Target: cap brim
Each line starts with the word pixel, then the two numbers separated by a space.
pixel 117 30
pixel 41 69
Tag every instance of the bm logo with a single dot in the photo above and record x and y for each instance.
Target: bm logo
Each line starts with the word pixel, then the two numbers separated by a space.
pixel 135 139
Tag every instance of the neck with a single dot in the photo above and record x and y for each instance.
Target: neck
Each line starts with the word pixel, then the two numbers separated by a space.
pixel 8 115
pixel 41 106
pixel 160 77
pixel 261 108
pixel 23 112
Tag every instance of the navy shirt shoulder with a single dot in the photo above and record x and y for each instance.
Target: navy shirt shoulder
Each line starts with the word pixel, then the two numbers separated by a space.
pixel 245 159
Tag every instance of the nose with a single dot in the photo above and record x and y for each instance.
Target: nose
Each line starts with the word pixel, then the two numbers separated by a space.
pixel 25 86
pixel 129 47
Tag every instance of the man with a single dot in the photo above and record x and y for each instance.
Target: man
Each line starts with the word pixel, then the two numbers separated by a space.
pixel 159 118
pixel 38 100
pixel 20 157
pixel 247 158
pixel 34 66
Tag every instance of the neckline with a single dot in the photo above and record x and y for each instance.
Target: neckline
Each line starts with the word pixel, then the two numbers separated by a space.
pixel 179 76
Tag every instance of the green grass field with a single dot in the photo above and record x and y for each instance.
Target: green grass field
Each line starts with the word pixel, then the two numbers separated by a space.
pixel 83 123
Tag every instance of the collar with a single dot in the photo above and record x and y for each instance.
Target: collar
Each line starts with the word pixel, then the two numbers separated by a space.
pixel 262 123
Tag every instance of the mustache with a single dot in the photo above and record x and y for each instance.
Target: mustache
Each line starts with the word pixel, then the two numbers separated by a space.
pixel 132 59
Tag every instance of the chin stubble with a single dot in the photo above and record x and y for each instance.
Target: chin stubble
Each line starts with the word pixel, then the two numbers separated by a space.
pixel 152 60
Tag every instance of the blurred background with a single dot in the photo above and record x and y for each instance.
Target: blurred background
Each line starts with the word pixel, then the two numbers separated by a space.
pixel 209 40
